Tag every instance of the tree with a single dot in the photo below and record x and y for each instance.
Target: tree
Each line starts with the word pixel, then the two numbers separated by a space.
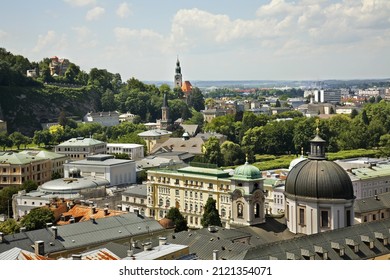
pixel 62 119
pixel 10 226
pixel 55 175
pixel 71 73
pixel 5 141
pixel 354 113
pixel 17 139
pixel 212 151
pixel 108 101
pixel 178 219
pixel 197 99
pixel 384 145
pixel 210 215
pixel 277 103
pixel 37 218
pixel 232 154
pixel 57 133
pixel 42 137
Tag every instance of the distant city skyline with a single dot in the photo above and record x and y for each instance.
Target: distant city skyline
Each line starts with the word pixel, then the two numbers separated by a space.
pixel 214 40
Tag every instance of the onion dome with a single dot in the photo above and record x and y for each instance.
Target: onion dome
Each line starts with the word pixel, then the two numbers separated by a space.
pixel 247 172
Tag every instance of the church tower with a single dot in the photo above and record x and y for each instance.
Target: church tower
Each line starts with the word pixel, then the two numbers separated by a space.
pixel 178 77
pixel 164 113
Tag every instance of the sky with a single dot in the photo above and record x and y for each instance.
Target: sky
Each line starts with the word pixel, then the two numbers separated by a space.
pixel 214 40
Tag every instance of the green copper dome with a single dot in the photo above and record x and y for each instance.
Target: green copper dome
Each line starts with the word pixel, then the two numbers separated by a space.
pixel 247 172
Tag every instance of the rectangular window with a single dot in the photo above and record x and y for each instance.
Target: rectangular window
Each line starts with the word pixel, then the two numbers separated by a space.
pixel 349 223
pixel 302 216
pixel 324 218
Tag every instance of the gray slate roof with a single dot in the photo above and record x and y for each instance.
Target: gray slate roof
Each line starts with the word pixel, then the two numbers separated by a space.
pixel 330 242
pixel 202 243
pixel 26 240
pixel 83 234
pixel 368 204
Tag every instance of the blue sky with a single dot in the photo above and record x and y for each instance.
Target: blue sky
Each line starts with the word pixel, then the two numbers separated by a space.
pixel 215 40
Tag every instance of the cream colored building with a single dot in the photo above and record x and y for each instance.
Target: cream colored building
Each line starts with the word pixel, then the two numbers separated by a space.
pixel 17 168
pixel 153 137
pixel 80 147
pixel 239 194
pixel 57 160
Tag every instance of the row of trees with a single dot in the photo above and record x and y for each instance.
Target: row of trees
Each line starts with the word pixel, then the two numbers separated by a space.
pixel 261 134
pixel 210 216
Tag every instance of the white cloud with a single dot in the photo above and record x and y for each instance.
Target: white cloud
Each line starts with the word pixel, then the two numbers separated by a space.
pixel 45 40
pixel 80 3
pixel 123 10
pixel 95 13
pixel 85 37
pixel 124 34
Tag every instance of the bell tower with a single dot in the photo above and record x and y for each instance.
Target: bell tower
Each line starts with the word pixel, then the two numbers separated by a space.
pixel 178 80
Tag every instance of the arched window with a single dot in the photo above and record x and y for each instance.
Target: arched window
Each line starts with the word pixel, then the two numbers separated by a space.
pixel 256 210
pixel 168 203
pixel 240 210
pixel 160 202
pixel 223 212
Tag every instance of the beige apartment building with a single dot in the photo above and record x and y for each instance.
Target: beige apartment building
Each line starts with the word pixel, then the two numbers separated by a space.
pixel 239 195
pixel 16 168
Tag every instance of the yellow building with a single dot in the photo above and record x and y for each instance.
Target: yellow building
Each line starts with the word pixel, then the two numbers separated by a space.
pixel 239 195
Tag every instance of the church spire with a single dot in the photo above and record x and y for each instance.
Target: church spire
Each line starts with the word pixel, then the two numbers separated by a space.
pixel 178 80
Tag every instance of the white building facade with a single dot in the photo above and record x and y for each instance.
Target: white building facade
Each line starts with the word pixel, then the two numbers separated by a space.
pixel 117 171
pixel 134 151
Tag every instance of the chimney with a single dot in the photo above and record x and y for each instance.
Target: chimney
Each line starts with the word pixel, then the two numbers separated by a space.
pixel 106 205
pixel 93 219
pixel 162 241
pixel 49 225
pixel 130 253
pixel 71 220
pixel 22 229
pixel 147 246
pixel 55 232
pixel 76 257
pixel 1 237
pixel 39 247
pixel 105 211
pixel 93 209
pixel 215 254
